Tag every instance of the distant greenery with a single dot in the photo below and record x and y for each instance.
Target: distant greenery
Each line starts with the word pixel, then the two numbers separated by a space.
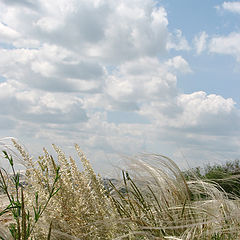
pixel 152 200
pixel 226 175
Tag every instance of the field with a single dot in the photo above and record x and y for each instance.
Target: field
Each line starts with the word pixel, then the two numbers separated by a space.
pixel 153 199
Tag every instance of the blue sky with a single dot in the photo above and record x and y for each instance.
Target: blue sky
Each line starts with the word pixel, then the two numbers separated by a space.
pixel 122 77
pixel 212 73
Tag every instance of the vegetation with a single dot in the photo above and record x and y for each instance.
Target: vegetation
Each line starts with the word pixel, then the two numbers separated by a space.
pixel 25 223
pixel 154 200
pixel 227 176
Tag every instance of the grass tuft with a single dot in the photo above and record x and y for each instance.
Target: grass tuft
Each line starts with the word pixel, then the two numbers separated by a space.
pixel 153 200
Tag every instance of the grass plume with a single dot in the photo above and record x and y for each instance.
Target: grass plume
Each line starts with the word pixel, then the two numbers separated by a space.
pixel 153 200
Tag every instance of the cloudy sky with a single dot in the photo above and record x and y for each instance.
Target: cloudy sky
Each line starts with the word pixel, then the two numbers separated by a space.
pixel 122 77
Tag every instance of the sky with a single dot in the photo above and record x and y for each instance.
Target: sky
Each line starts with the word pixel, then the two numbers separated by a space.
pixel 122 77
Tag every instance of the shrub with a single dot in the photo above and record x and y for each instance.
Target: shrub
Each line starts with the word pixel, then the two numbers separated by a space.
pixel 227 176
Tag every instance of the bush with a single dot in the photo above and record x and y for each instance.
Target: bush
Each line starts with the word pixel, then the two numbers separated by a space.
pixel 227 176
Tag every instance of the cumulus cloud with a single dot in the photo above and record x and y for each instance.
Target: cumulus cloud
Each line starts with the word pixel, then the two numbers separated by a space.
pixel 180 64
pixel 136 82
pixel 229 45
pixel 37 106
pixel 231 6
pixel 135 33
pixel 177 41
pixel 51 68
pixel 86 27
pixel 89 71
pixel 193 111
pixel 200 109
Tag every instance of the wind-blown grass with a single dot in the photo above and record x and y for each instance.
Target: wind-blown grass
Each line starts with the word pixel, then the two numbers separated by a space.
pixel 152 201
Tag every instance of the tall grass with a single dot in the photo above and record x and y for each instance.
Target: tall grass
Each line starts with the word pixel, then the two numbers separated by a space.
pixel 152 200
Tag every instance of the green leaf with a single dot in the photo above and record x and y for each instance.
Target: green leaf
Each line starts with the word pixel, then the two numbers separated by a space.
pixel 55 192
pixel 7 157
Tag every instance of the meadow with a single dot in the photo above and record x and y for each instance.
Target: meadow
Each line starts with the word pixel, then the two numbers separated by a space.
pixel 153 199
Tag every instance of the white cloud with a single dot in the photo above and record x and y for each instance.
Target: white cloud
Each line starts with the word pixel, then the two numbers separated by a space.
pixel 200 42
pixel 178 42
pixel 26 3
pixel 137 82
pixel 86 27
pixel 29 105
pixel 232 7
pixel 74 63
pixel 48 24
pixel 193 112
pixel 199 108
pixel 51 68
pixel 180 64
pixel 229 45
pixel 132 35
pixel 7 34
pixel 43 68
